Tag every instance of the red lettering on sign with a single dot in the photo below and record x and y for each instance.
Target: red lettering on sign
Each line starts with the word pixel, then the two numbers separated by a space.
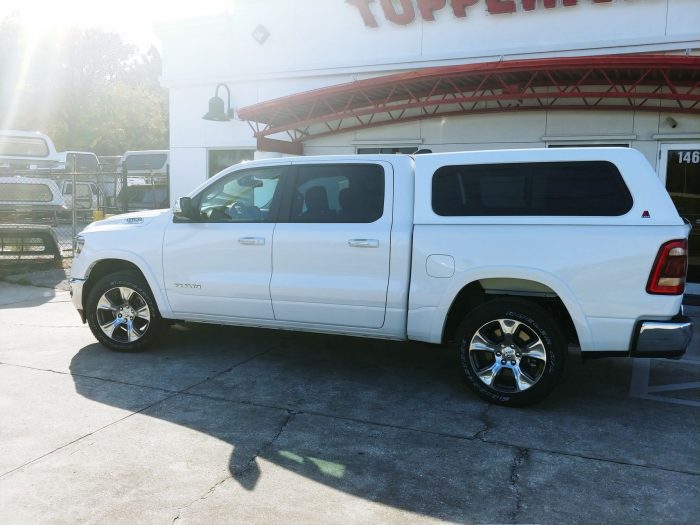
pixel 498 7
pixel 403 12
pixel 459 7
pixel 406 16
pixel 367 16
pixel 529 5
pixel 428 7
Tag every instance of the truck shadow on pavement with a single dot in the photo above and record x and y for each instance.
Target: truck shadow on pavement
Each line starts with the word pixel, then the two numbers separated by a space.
pixel 388 422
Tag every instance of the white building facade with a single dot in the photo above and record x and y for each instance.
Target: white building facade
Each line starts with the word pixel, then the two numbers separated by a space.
pixel 354 76
pixel 263 50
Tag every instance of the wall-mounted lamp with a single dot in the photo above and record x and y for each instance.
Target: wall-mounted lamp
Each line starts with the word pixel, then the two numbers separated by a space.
pixel 671 122
pixel 217 111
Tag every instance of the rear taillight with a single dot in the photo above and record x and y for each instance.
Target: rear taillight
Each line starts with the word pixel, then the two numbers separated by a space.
pixel 670 267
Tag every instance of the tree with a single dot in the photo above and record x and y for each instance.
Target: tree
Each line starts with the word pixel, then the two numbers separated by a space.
pixel 87 89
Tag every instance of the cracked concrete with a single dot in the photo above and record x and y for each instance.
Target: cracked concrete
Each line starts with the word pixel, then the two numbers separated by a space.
pixel 224 424
pixel 201 498
pixel 519 460
pixel 484 418
pixel 239 474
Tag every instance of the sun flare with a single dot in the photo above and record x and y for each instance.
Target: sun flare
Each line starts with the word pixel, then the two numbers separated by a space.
pixel 132 19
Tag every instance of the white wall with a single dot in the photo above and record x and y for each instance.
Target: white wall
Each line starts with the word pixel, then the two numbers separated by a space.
pixel 329 36
pixel 188 168
pixel 319 43
pixel 642 130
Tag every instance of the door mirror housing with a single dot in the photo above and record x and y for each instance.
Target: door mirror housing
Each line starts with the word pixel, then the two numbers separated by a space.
pixel 185 209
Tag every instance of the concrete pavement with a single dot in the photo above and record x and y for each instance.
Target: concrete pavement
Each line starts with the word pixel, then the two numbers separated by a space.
pixel 232 425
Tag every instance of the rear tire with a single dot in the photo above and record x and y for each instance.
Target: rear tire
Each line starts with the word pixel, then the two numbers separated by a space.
pixel 122 313
pixel 512 352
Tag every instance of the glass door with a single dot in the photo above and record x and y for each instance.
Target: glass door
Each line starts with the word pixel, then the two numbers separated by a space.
pixel 679 169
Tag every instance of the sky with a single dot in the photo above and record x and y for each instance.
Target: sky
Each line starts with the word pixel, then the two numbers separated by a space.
pixel 132 19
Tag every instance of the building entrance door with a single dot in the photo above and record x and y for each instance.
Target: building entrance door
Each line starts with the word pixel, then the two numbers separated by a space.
pixel 679 169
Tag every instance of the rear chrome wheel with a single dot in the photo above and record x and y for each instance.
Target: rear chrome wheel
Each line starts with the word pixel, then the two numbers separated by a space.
pixel 512 352
pixel 507 355
pixel 122 313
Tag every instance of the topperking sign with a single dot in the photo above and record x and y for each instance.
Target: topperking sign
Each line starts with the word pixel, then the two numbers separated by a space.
pixel 404 12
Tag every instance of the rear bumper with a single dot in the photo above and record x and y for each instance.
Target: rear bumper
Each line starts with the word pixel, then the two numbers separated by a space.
pixel 662 338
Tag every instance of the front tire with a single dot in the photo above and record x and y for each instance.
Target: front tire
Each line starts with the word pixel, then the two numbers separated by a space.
pixel 512 352
pixel 122 313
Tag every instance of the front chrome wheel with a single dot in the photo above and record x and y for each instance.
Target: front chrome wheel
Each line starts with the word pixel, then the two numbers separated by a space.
pixel 507 355
pixel 123 314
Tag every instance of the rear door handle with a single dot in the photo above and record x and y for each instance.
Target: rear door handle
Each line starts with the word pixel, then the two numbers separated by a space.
pixel 252 241
pixel 364 243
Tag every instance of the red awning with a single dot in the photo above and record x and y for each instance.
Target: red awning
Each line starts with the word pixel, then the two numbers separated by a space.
pixel 669 83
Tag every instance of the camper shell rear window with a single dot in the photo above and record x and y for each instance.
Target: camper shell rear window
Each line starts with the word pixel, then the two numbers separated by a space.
pixel 145 161
pixel 23 192
pixel 11 146
pixel 580 188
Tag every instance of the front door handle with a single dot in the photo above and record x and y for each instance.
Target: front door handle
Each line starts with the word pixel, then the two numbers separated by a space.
pixel 252 241
pixel 364 243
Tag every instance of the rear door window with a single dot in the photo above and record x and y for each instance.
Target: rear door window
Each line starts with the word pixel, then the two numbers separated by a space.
pixel 345 193
pixel 587 188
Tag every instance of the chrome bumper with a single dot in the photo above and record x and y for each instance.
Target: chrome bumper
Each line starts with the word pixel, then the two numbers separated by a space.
pixel 663 338
pixel 76 295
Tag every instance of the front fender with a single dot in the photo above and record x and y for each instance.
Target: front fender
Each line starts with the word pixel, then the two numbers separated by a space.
pixel 141 263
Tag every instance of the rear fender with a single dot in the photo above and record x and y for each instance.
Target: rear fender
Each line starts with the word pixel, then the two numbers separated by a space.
pixel 512 272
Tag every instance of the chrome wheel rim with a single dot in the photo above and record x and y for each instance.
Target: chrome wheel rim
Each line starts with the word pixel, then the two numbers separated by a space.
pixel 507 355
pixel 123 314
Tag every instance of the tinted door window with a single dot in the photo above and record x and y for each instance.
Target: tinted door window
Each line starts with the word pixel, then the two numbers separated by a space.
pixel 242 196
pixel 592 188
pixel 349 193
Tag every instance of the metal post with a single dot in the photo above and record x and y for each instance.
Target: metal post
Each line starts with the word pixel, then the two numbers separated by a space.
pixel 125 190
pixel 74 205
pixel 167 181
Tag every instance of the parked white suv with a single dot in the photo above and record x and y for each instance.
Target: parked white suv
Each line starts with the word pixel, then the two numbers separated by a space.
pixel 511 255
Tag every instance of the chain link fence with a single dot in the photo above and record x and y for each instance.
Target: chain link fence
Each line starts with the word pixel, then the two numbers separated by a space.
pixel 42 211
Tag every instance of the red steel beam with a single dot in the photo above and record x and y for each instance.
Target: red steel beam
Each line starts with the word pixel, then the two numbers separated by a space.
pixel 620 78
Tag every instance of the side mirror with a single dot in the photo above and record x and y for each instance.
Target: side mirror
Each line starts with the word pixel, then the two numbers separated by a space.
pixel 185 209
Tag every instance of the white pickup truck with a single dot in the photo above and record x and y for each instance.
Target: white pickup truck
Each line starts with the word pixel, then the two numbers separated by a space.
pixel 512 255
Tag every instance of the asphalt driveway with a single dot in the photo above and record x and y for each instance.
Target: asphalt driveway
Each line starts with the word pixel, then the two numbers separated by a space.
pixel 231 425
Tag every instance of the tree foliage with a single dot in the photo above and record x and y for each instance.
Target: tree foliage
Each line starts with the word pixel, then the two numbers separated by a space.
pixel 86 88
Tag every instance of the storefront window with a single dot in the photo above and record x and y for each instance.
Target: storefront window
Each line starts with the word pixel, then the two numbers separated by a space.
pixel 388 150
pixel 589 145
pixel 220 159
